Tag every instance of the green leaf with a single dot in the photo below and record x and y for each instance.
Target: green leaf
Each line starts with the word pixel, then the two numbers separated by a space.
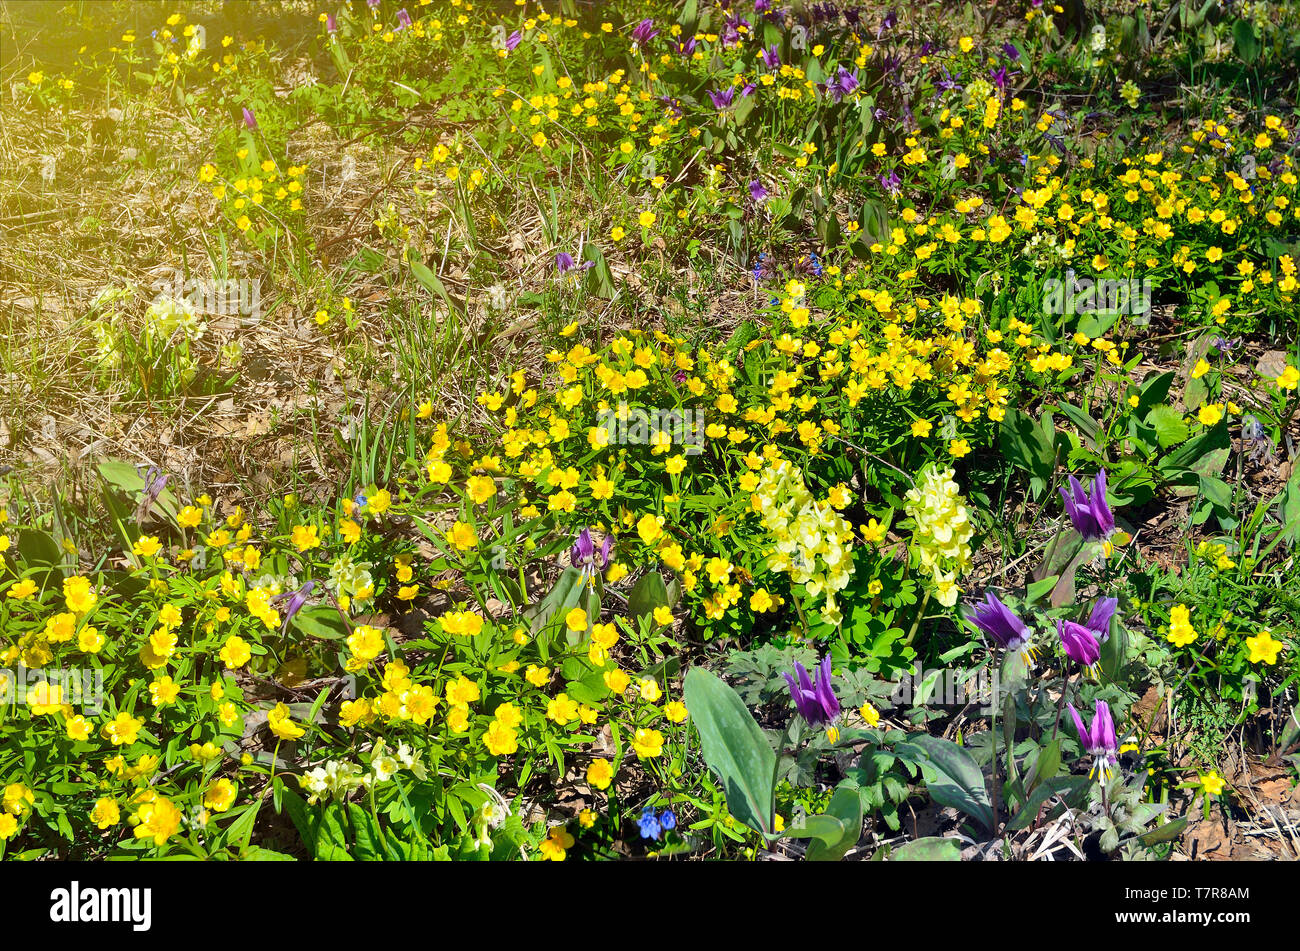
pixel 647 594
pixel 930 849
pixel 951 775
pixel 845 807
pixel 821 828
pixel 734 747
pixel 1244 41
pixel 1165 833
pixel 1169 425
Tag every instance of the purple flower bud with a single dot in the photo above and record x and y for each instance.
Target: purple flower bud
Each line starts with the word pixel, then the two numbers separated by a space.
pixel 757 192
pixel 1001 623
pixel 330 24
pixel 404 19
pixel 1080 644
pixel 771 57
pixel 249 119
pixel 1091 515
pixel 514 40
pixel 816 703
pixel 1099 621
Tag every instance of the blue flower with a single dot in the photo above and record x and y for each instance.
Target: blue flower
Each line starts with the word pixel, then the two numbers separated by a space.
pixel 649 823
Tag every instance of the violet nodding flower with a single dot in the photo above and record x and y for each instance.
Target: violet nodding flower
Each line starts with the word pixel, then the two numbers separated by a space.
pixel 1002 624
pixel 757 192
pixel 294 600
pixel 816 703
pixel 721 100
pixel 1098 739
pixel 250 120
pixel 1099 621
pixel 1091 516
pixel 644 32
pixel 586 556
pixel 1080 644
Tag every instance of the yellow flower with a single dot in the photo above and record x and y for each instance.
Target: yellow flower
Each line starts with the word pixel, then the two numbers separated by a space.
pixel 870 714
pixel 617 680
pixel 562 709
pixel 500 739
pixel 576 620
pixel 22 590
pixel 282 725
pixel 646 219
pixel 235 653
pixel 600 773
pixel 1263 648
pixel 158 819
pixel 305 537
pixel 648 743
pixel 1212 783
pixel 554 845
pixel 220 795
pixel 105 813
pixel 650 528
pixel 649 690
pixel 675 711
pixel 1181 633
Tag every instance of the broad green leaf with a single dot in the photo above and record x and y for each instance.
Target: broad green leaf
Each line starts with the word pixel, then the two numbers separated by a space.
pixel 734 747
pixel 951 775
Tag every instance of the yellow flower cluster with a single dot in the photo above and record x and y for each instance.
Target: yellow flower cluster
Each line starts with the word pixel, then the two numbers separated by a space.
pixel 942 534
pixel 812 540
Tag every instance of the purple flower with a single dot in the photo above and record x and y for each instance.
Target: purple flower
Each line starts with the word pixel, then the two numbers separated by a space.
pixel 841 84
pixel 330 24
pixel 816 703
pixel 771 57
pixel 564 263
pixel 154 483
pixel 949 82
pixel 891 181
pixel 644 32
pixel 888 23
pixel 249 119
pixel 731 34
pixel 1099 739
pixel 1001 623
pixel 372 4
pixel 685 48
pixel 1011 52
pixel 513 40
pixel 1091 515
pixel 294 600
pixel 757 192
pixel 404 19
pixel 1080 643
pixel 1099 621
pixel 762 6
pixel 585 555
pixel 721 100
